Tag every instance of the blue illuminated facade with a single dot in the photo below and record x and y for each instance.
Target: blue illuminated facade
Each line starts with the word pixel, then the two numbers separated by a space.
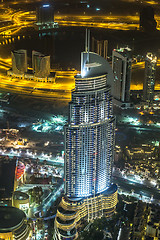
pixel 89 150
pixel 89 136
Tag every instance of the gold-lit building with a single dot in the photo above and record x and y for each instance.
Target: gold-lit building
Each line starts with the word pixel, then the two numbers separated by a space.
pixel 13 224
pixel 20 200
pixel 71 213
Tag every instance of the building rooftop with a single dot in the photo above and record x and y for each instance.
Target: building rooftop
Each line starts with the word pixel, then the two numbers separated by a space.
pixel 20 195
pixel 125 52
pixel 7 176
pixel 151 57
pixel 10 218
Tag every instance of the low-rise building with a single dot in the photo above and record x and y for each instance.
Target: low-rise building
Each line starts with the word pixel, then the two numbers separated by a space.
pixel 20 200
pixel 13 224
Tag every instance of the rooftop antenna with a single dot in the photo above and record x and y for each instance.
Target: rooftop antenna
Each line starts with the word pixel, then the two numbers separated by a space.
pixel 87 43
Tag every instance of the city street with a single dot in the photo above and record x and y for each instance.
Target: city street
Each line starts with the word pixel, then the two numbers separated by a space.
pixel 144 192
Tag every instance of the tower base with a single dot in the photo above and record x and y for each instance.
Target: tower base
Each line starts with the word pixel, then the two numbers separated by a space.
pixel 72 212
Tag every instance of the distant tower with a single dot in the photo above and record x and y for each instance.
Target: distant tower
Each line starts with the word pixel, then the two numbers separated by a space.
pixel 19 61
pixel 45 16
pixel 89 148
pixel 147 22
pixel 40 64
pixel 149 78
pixel 45 13
pixel 121 65
pixel 100 47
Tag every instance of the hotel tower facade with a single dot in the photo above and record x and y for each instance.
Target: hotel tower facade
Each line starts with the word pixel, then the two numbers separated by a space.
pixel 149 78
pixel 89 149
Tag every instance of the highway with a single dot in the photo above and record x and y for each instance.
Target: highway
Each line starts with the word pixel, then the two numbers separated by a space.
pixel 139 189
pixel 18 19
pixel 125 184
pixel 59 89
pixel 46 203
pixel 22 19
pixel 58 162
pixel 50 198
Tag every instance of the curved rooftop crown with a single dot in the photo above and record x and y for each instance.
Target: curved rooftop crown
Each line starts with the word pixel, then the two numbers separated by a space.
pixel 93 65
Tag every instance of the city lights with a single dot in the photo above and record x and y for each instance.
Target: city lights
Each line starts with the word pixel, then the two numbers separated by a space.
pixel 132 121
pixel 79 138
pixel 56 123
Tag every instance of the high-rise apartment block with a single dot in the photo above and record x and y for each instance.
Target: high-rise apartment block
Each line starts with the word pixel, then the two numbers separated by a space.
pixel 147 21
pixel 45 17
pixel 89 149
pixel 19 61
pixel 149 78
pixel 100 47
pixel 40 64
pixel 121 65
pixel 45 14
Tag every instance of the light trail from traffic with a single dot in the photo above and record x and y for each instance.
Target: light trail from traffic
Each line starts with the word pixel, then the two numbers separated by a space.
pixel 18 20
pixel 59 89
pixel 22 19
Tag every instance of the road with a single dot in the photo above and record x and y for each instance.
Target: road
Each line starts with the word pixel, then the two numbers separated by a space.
pixel 48 201
pixel 49 160
pixel 22 19
pixel 124 184
pixel 138 188
pixel 60 89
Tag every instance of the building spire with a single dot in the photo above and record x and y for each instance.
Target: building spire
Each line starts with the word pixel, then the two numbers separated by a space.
pixel 87 43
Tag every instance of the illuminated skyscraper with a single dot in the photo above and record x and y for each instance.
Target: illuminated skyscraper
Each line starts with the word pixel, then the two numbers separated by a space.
pixel 89 148
pixel 19 61
pixel 121 65
pixel 40 64
pixel 45 14
pixel 149 78
pixel 45 17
